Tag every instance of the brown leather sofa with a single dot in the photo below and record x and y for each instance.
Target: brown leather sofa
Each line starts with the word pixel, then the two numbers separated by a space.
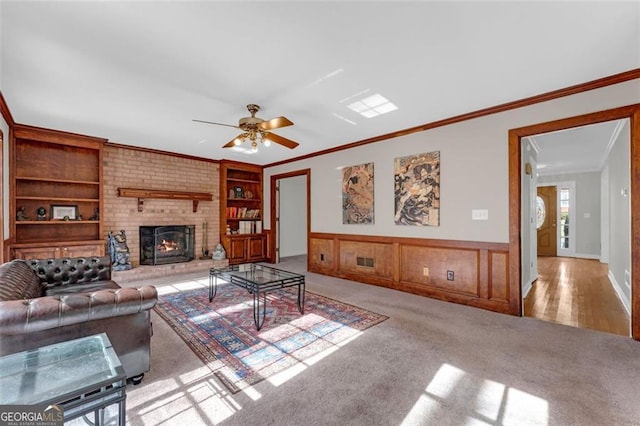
pixel 46 301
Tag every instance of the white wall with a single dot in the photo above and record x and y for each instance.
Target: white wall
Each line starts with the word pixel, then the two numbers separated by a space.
pixel 586 217
pixel 619 216
pixel 529 247
pixel 474 170
pixel 293 216
pixel 604 214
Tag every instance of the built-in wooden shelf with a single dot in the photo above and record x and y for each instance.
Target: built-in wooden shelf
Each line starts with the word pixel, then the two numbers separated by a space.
pixel 141 194
pixel 54 222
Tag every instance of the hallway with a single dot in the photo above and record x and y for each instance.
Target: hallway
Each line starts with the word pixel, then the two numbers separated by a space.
pixel 576 292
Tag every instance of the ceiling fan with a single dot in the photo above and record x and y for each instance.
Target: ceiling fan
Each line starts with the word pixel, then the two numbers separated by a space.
pixel 257 130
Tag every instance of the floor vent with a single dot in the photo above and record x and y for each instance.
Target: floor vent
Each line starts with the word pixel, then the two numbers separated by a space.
pixel 367 262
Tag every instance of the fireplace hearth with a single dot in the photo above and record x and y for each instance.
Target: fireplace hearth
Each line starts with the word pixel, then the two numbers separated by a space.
pixel 160 245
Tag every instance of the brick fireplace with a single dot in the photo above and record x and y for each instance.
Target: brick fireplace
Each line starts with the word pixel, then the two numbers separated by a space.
pixel 131 167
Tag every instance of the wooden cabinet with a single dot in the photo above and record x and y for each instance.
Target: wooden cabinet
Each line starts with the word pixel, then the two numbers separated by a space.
pixel 241 212
pixel 55 193
pixel 245 248
pixel 56 252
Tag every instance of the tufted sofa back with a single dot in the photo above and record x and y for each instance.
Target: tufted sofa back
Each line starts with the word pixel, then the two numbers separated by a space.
pixel 55 272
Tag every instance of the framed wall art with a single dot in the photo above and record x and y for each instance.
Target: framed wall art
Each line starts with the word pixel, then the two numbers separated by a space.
pixel 357 194
pixel 417 189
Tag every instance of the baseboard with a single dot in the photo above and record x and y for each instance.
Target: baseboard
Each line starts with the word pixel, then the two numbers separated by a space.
pixel 586 256
pixel 626 303
pixel 526 288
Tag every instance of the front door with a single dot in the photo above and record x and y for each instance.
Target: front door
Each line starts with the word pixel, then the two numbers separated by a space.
pixel 546 221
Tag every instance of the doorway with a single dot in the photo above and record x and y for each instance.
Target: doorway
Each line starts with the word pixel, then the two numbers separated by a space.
pixel 576 289
pixel 520 237
pixel 290 215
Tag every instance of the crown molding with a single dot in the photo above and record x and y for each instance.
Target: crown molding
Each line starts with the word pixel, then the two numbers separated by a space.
pixel 6 113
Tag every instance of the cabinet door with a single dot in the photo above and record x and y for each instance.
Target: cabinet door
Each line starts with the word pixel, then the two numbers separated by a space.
pixel 256 246
pixel 237 249
pixel 88 250
pixel 36 253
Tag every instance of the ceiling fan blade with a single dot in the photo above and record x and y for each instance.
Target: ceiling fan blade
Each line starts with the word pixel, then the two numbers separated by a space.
pixel 232 142
pixel 217 124
pixel 275 123
pixel 280 140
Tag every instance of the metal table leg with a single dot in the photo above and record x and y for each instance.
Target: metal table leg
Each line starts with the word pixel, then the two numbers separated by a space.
pixel 213 286
pixel 256 309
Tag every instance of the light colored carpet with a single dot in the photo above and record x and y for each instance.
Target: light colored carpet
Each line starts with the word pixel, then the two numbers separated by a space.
pixel 430 363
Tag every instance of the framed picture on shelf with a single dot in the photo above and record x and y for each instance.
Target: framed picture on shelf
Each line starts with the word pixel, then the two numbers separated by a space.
pixel 64 212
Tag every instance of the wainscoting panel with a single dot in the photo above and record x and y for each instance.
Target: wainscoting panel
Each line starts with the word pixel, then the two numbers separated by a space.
pixel 466 272
pixel 321 254
pixel 366 258
pixel 429 266
pixel 499 277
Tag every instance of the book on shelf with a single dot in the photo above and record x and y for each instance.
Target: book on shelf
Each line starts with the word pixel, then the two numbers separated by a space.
pixel 249 227
pixel 242 212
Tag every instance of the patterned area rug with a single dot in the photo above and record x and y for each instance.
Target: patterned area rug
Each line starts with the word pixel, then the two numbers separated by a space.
pixel 223 334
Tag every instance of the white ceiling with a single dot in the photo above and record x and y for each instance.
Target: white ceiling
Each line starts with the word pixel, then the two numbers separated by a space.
pixel 577 150
pixel 138 72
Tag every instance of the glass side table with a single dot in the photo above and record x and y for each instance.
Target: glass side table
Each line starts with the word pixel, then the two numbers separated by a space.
pixel 81 376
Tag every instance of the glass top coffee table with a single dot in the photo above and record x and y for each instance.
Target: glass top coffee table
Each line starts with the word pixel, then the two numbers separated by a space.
pixel 258 280
pixel 81 376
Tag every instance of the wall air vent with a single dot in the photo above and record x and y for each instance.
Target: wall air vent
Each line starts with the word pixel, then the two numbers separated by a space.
pixel 367 262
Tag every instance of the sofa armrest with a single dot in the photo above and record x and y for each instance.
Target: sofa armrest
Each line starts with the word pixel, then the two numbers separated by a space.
pixel 43 313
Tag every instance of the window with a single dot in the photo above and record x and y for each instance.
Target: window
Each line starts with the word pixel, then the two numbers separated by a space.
pixel 564 217
pixel 541 212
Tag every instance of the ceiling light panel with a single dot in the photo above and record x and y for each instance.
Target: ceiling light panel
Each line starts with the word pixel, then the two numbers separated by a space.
pixel 372 106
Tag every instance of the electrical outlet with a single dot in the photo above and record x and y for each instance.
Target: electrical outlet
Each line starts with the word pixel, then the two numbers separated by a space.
pixel 450 275
pixel 425 271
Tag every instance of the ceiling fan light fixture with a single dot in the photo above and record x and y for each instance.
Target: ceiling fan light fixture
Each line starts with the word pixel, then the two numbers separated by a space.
pixel 255 130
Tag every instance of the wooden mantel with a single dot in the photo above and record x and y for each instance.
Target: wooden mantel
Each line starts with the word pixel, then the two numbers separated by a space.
pixel 141 194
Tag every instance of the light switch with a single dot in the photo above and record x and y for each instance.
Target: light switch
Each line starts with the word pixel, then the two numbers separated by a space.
pixel 480 214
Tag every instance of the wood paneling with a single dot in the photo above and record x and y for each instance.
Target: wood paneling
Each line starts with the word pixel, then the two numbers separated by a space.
pixel 320 256
pixel 498 279
pixel 73 249
pixel 462 263
pixel 381 256
pixel 480 270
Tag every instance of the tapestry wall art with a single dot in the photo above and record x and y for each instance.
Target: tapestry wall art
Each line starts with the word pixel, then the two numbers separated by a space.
pixel 357 194
pixel 417 189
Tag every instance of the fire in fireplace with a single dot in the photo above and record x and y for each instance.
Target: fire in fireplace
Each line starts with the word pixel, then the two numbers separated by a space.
pixel 167 244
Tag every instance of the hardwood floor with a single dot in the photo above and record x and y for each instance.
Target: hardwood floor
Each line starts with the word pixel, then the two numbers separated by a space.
pixel 576 292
